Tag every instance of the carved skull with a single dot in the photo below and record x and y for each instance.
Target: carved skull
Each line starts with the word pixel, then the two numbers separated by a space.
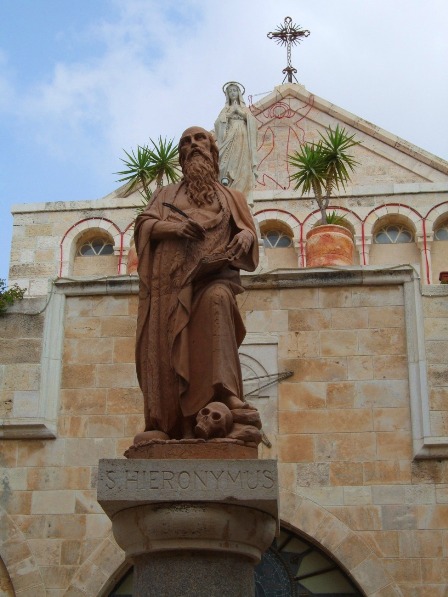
pixel 214 420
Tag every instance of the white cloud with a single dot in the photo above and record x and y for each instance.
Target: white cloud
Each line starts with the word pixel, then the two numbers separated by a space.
pixel 163 64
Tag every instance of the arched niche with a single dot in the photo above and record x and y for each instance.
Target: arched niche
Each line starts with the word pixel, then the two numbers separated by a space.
pixel 280 235
pixel 398 233
pixel 439 246
pixel 85 231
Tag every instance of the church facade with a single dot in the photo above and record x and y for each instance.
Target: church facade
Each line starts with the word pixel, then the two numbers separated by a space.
pixel 347 365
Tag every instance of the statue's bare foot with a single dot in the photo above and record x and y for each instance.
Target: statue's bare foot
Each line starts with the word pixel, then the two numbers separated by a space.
pixel 233 402
pixel 146 436
pixel 247 416
pixel 246 433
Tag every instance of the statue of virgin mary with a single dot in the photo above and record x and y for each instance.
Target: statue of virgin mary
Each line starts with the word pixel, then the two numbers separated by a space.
pixel 236 135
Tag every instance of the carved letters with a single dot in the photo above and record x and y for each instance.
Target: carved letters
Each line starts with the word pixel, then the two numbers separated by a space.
pixel 203 479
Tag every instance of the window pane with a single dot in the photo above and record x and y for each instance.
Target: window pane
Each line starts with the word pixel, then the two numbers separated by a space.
pixel 393 234
pixel 382 239
pixel 272 237
pixel 284 241
pixel 442 233
pixel 266 243
pixel 86 250
pixel 404 237
pixel 107 250
pixel 97 246
pixel 276 239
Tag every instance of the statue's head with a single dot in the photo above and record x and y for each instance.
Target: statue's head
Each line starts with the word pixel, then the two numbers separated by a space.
pixel 197 141
pixel 234 91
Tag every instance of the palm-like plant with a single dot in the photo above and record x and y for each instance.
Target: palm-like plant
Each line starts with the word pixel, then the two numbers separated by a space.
pixel 324 166
pixel 164 160
pixel 146 165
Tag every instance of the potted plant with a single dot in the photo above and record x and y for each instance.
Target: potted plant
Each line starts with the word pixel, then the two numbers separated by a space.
pixel 143 167
pixel 321 168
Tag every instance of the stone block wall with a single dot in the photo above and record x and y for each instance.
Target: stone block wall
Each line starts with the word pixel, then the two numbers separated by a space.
pixel 38 250
pixel 348 475
pixel 435 309
pixel 20 355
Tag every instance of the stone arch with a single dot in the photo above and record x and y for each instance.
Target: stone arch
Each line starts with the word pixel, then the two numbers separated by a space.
pixel 400 253
pixel 391 211
pixel 435 216
pixel 128 235
pixel 127 244
pixel 6 589
pixel 354 221
pixel 436 250
pixel 18 557
pixel 287 224
pixel 338 540
pixel 70 239
pixel 101 571
pixel 284 217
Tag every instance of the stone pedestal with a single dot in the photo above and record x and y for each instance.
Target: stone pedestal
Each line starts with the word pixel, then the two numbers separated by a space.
pixel 191 527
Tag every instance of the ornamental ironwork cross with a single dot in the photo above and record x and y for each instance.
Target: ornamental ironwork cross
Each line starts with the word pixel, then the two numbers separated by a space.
pixel 288 35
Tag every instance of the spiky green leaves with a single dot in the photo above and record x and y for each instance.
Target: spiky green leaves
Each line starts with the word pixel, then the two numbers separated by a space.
pixel 324 166
pixel 148 164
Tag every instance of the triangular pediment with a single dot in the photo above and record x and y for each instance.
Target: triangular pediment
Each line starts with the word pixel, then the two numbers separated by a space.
pixel 290 115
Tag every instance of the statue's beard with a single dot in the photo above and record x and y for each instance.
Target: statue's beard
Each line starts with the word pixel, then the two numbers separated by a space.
pixel 200 178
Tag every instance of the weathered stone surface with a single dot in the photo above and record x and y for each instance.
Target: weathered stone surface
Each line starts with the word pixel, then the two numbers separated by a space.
pixel 193 450
pixel 180 520
pixel 125 483
pixel 193 574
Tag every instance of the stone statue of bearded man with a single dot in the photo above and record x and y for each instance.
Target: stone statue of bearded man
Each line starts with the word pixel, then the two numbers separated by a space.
pixel 192 241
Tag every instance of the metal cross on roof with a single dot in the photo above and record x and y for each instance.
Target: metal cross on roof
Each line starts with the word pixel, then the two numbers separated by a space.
pixel 288 35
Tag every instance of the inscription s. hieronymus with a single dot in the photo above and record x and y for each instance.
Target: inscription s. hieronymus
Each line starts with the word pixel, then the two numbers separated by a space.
pixel 205 480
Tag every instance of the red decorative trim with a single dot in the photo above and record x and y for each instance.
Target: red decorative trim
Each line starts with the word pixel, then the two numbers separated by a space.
pixel 86 220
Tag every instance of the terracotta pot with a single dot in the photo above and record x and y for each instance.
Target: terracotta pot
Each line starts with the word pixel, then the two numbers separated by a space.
pixel 443 277
pixel 132 265
pixel 329 245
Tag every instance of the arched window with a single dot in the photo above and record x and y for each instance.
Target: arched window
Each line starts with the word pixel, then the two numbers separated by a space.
pixel 276 234
pixel 394 241
pixel 96 246
pixel 276 239
pixel 442 232
pixel 393 234
pixel 439 257
pixel 292 566
pixel 95 254
pixel 278 242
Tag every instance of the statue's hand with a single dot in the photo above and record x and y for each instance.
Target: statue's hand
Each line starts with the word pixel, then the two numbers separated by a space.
pixel 240 244
pixel 191 230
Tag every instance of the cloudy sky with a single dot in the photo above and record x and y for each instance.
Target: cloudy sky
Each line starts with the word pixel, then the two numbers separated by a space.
pixel 80 80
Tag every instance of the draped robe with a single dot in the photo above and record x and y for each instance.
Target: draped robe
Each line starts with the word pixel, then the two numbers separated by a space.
pixel 189 327
pixel 237 143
